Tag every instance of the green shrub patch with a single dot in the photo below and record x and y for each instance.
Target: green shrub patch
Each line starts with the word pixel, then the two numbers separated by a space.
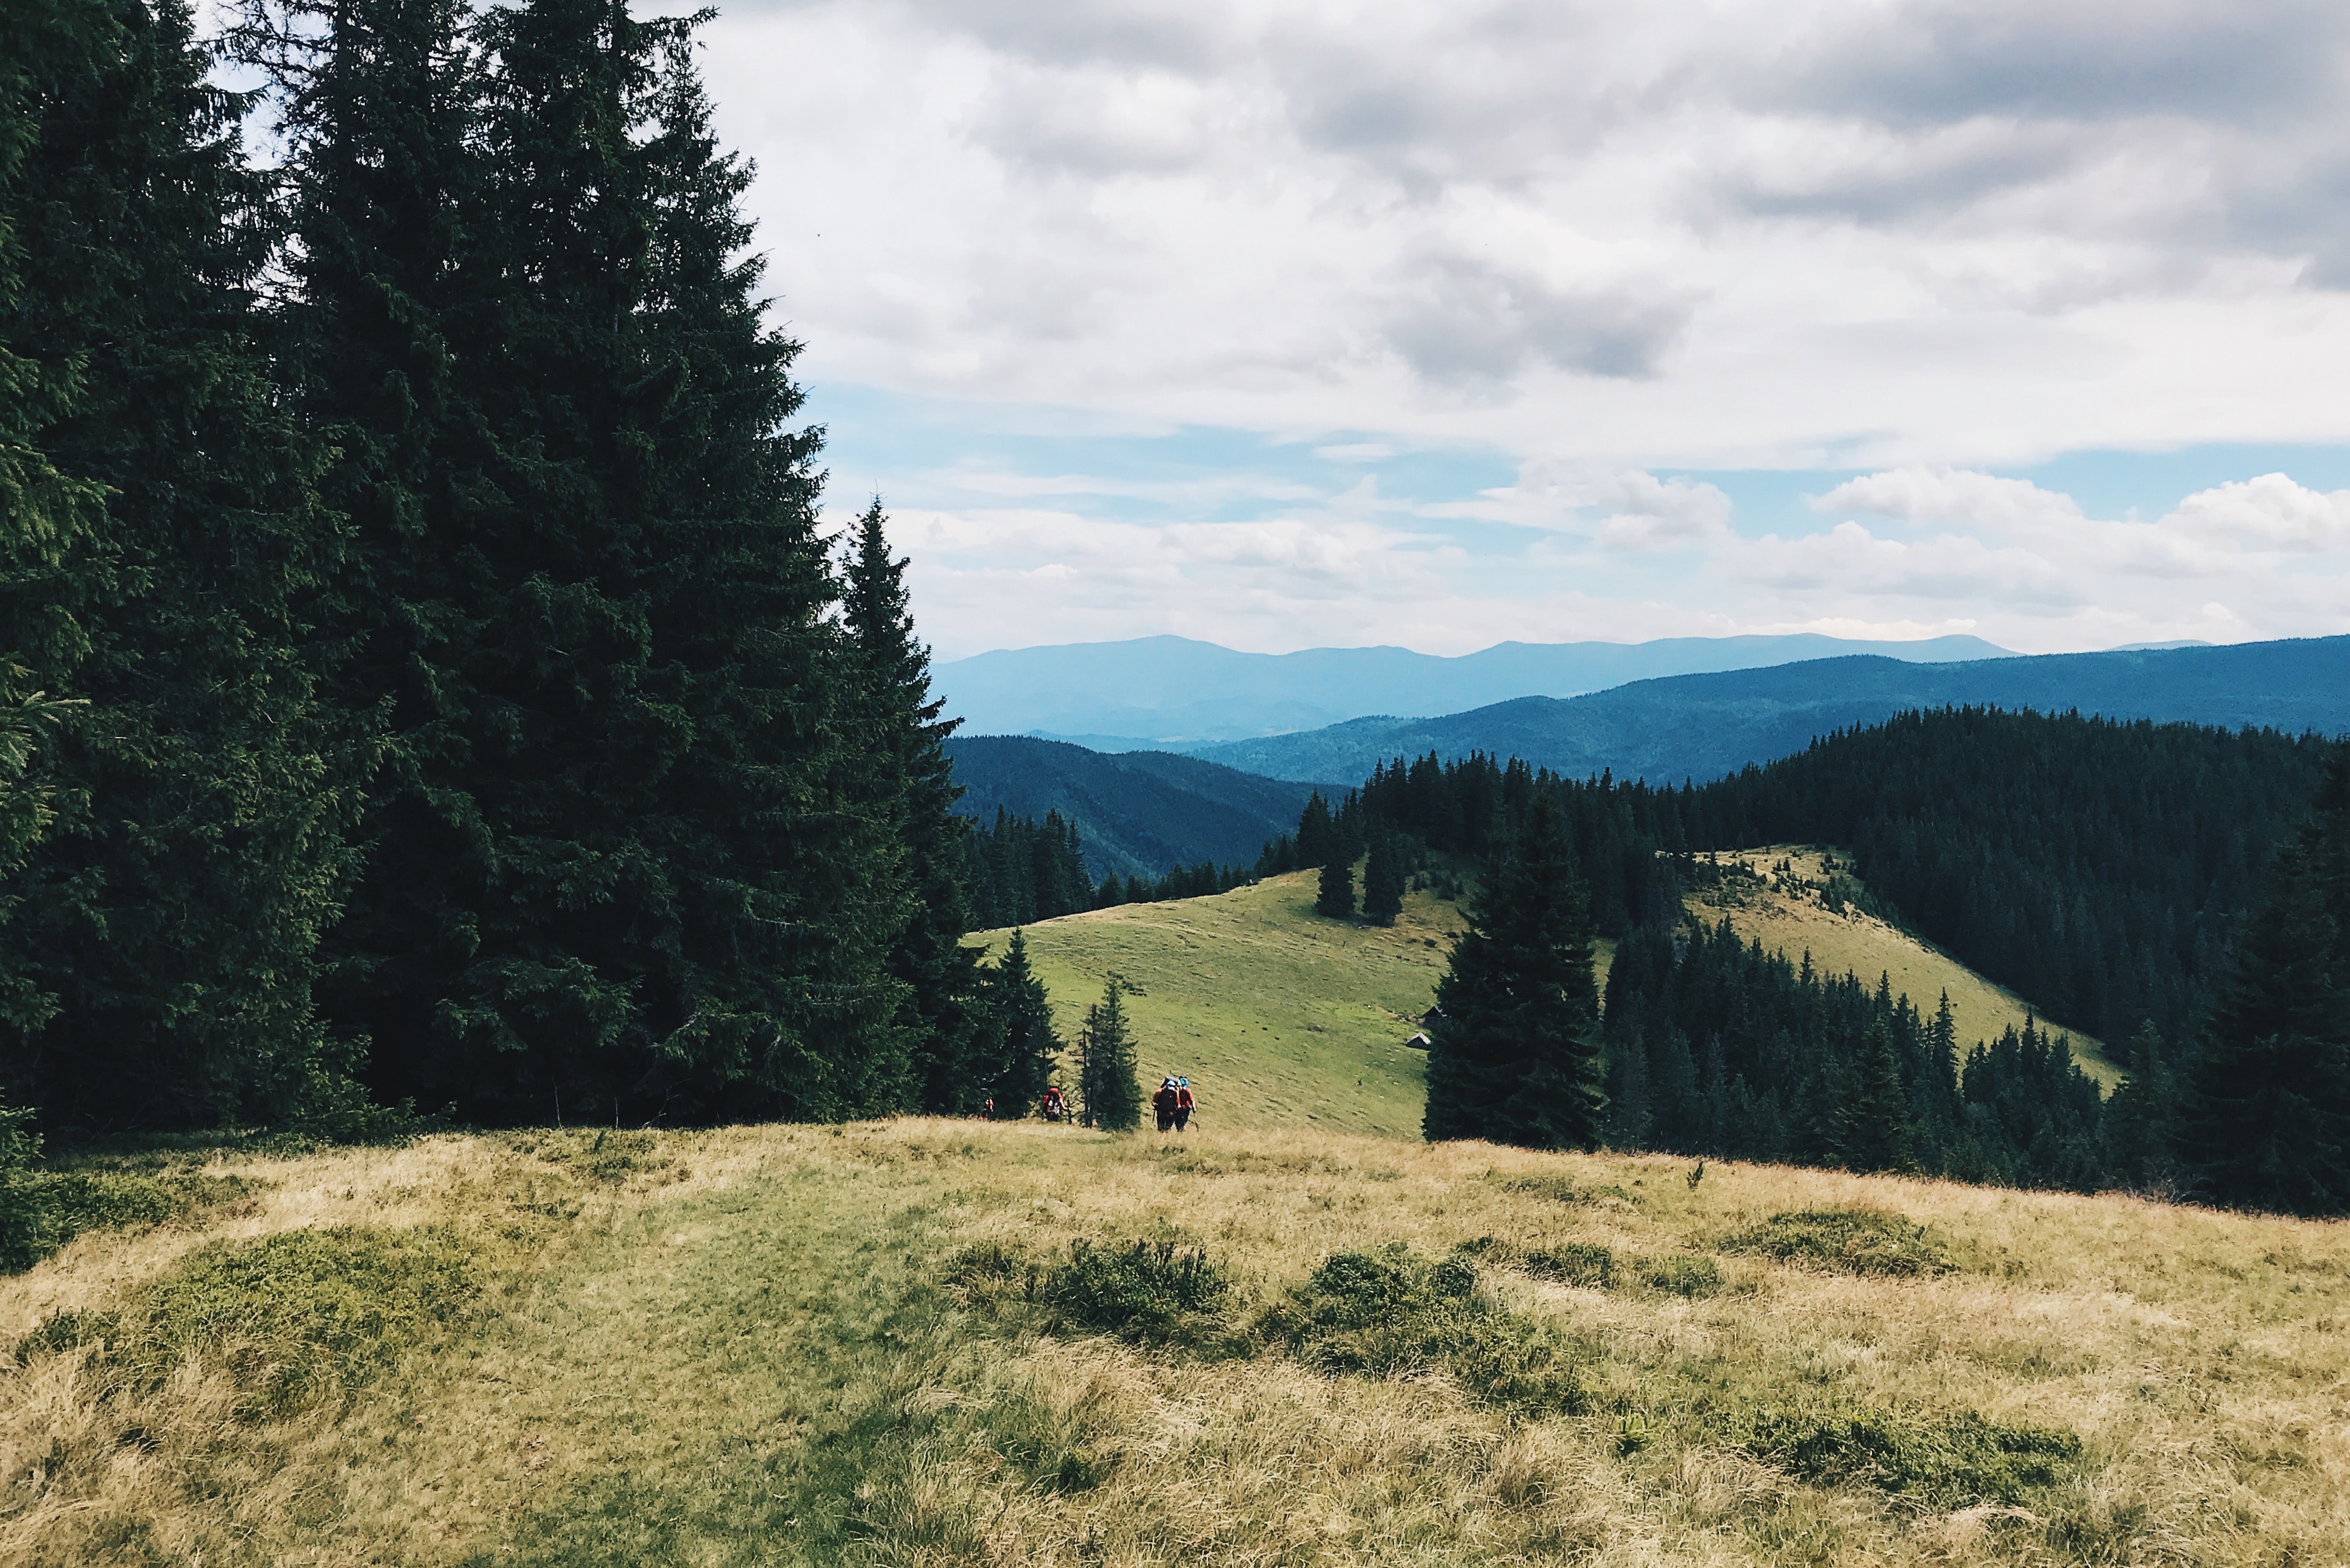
pixel 1392 1313
pixel 1847 1241
pixel 1948 1460
pixel 294 1318
pixel 1682 1274
pixel 1143 1290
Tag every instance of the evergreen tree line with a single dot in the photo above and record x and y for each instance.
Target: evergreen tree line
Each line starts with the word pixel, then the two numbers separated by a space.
pixel 2099 866
pixel 1718 1048
pixel 1709 1047
pixel 1018 871
pixel 423 676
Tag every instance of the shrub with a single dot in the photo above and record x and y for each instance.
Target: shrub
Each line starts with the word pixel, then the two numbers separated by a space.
pixel 1682 1274
pixel 1573 1263
pixel 1847 1241
pixel 1145 1290
pixel 1557 1188
pixel 28 1228
pixel 294 1318
pixel 1391 1314
pixel 1951 1460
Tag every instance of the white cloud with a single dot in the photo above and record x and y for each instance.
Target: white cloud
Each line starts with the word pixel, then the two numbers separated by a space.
pixel 1947 495
pixel 1648 513
pixel 2270 513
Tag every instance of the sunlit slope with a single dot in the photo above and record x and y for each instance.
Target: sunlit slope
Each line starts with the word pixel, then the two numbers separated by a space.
pixel 866 1345
pixel 1789 915
pixel 1280 1018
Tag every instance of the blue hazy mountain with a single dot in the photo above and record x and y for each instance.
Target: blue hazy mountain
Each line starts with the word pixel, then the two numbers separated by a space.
pixel 1171 690
pixel 1702 726
pixel 1138 811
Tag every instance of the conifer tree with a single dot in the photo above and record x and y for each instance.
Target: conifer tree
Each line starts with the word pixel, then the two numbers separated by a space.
pixel 907 740
pixel 1383 881
pixel 2267 1123
pixel 1517 1060
pixel 2142 1116
pixel 1109 1093
pixel 160 946
pixel 1018 1018
pixel 1317 838
pixel 1335 896
pixel 1869 1129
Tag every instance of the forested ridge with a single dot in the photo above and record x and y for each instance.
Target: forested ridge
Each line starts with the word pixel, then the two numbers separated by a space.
pixel 427 680
pixel 2166 883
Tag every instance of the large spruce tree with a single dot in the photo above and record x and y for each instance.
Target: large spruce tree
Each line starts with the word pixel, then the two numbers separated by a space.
pixel 1019 1053
pixel 2267 1123
pixel 1108 1092
pixel 160 945
pixel 914 783
pixel 1516 1059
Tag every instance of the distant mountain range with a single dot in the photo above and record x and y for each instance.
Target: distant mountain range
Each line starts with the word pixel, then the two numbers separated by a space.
pixel 1138 812
pixel 1158 692
pixel 1702 726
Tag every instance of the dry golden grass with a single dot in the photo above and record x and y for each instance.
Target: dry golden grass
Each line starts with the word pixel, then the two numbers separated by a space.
pixel 740 1346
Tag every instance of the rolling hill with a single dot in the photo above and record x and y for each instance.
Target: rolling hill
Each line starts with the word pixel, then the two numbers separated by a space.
pixel 1171 690
pixel 1135 812
pixel 1282 1019
pixel 1702 726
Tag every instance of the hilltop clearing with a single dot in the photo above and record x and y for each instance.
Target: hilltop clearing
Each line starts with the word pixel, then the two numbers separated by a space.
pixel 1808 908
pixel 955 1343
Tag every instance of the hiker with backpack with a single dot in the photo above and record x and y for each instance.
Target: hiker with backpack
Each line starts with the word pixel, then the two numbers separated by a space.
pixel 1163 1105
pixel 1055 1104
pixel 1184 1106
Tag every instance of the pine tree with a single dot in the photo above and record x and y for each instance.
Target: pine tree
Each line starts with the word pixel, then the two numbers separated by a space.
pixel 1108 1091
pixel 1869 1129
pixel 2267 1123
pixel 1383 881
pixel 1018 1018
pixel 1335 900
pixel 907 738
pixel 2141 1119
pixel 1518 1059
pixel 1318 838
pixel 161 946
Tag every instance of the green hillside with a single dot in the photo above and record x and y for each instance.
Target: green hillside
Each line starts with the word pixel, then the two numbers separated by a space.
pixel 1279 1017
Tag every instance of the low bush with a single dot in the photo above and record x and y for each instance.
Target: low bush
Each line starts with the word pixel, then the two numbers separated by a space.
pixel 294 1318
pixel 1557 1188
pixel 1142 1290
pixel 1392 1313
pixel 1948 1460
pixel 1572 1263
pixel 1847 1241
pixel 1682 1274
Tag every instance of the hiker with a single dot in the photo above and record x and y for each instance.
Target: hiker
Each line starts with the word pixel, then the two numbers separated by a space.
pixel 1055 1106
pixel 1163 1103
pixel 1183 1105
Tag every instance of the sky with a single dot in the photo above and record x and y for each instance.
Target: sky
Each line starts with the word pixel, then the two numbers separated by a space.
pixel 1308 324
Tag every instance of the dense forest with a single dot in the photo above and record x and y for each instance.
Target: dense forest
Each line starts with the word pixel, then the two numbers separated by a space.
pixel 2161 880
pixel 423 674
pixel 1019 871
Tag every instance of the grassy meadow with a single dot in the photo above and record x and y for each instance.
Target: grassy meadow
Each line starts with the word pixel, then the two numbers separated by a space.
pixel 934 1342
pixel 1279 1017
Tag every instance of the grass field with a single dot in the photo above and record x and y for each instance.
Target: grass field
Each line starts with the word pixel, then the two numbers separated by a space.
pixel 1790 916
pixel 875 1345
pixel 1279 1017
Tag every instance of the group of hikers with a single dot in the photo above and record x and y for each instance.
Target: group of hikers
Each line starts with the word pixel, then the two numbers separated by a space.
pixel 1172 1105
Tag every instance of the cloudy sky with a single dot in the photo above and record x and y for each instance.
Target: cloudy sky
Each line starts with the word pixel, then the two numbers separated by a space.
pixel 1291 325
